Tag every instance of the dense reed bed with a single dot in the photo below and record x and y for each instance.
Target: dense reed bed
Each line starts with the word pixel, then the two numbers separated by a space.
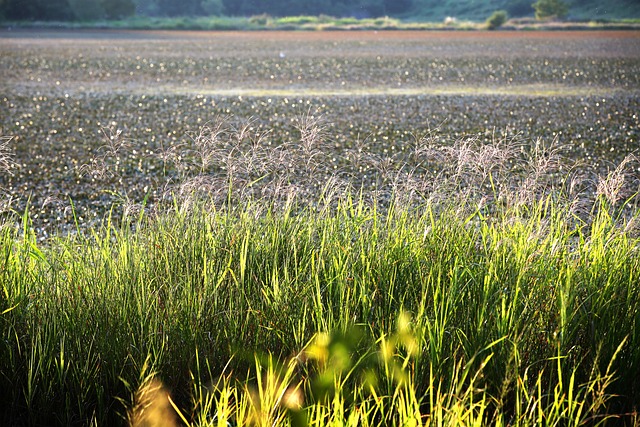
pixel 471 283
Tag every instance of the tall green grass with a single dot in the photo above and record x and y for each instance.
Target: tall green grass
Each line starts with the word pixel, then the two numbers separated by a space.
pixel 478 302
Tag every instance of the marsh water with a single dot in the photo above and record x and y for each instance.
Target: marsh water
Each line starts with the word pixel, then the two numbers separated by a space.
pixel 98 118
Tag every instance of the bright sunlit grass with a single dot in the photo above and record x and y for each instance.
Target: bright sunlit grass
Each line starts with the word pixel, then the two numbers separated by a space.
pixel 496 294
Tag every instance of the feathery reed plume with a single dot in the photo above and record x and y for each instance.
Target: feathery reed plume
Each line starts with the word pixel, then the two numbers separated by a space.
pixel 6 155
pixel 106 163
pixel 312 135
pixel 611 186
pixel 209 142
pixel 228 165
pixel 6 163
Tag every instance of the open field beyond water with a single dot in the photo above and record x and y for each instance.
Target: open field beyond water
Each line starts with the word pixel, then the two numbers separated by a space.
pixel 327 228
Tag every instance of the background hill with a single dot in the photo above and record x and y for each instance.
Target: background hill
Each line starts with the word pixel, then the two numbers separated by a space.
pixel 478 10
pixel 408 10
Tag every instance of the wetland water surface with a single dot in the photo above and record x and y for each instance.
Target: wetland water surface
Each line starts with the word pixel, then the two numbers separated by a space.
pixel 63 95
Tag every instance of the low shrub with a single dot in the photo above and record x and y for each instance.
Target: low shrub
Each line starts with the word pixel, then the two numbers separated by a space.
pixel 496 20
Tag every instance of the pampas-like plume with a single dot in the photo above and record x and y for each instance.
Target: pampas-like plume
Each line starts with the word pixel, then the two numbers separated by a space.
pixel 6 156
pixel 610 187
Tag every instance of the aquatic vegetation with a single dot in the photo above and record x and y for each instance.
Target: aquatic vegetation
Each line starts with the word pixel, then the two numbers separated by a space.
pixel 62 96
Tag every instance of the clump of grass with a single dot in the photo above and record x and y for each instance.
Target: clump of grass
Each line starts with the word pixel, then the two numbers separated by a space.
pixel 327 383
pixel 479 293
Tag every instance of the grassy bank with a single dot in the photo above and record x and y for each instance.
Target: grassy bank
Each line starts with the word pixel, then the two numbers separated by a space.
pixel 498 292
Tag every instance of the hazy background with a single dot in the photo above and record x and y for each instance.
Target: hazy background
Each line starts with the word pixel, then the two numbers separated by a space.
pixel 412 10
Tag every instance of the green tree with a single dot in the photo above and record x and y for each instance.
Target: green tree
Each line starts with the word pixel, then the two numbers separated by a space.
pixel 212 7
pixel 497 19
pixel 118 9
pixel 519 8
pixel 20 10
pixel 87 10
pixel 179 7
pixel 550 9
pixel 357 8
pixel 232 7
pixel 146 7
pixel 53 10
pixel 373 8
pixel 397 6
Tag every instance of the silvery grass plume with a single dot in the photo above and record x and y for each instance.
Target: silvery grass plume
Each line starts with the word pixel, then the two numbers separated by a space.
pixel 6 155
pixel 612 187
pixel 223 164
pixel 312 141
pixel 6 163
pixel 209 143
pixel 226 164
pixel 469 169
pixel 109 165
pixel 542 163
pixel 106 162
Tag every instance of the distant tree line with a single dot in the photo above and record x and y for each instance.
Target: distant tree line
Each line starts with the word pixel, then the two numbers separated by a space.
pixel 88 10
pixel 550 9
pixel 357 8
pixel 66 10
pixel 83 10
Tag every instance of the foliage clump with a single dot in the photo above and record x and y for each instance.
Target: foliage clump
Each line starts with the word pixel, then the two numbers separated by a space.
pixel 550 9
pixel 497 19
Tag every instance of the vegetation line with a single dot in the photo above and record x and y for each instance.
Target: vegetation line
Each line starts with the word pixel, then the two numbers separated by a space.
pixel 303 23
